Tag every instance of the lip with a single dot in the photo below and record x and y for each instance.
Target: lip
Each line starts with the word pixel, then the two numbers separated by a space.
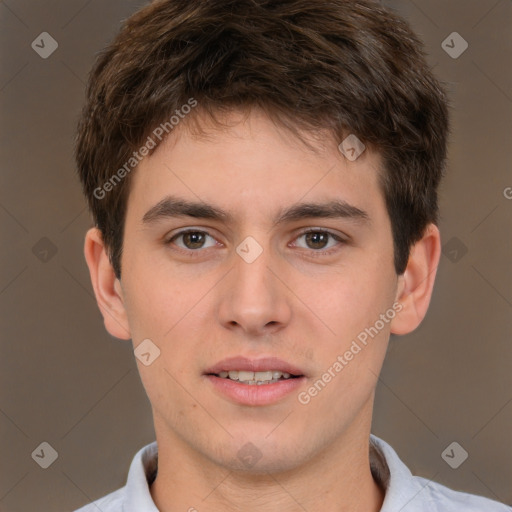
pixel 254 365
pixel 246 394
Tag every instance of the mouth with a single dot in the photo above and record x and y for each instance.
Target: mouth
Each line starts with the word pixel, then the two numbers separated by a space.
pixel 254 381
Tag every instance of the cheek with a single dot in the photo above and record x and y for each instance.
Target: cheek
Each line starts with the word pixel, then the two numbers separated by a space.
pixel 355 299
pixel 350 360
pixel 170 312
pixel 154 301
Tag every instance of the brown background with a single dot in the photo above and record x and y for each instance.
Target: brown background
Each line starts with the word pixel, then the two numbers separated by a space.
pixel 65 381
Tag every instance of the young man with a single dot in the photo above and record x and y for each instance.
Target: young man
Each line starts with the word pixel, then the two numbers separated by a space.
pixel 263 179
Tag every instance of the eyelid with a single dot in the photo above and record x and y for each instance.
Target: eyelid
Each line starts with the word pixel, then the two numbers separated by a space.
pixel 322 230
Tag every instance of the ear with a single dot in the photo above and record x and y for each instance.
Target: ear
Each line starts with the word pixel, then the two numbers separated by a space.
pixel 107 287
pixel 415 285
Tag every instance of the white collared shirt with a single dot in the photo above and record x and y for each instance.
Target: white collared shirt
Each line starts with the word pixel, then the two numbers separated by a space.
pixel 403 491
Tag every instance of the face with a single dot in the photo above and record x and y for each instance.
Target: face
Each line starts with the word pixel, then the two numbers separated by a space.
pixel 245 251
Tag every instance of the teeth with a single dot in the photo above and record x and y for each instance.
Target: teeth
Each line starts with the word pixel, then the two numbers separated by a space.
pixel 258 378
pixel 263 376
pixel 244 376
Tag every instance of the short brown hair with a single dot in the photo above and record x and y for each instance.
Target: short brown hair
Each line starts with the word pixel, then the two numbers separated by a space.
pixel 348 66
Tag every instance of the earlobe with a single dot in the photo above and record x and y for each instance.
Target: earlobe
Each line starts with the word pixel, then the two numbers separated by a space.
pixel 107 288
pixel 417 282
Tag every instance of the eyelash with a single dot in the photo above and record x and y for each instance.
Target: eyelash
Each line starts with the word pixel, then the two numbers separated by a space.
pixel 320 252
pixel 313 252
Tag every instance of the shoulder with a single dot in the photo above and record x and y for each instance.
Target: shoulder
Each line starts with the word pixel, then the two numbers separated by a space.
pixel 444 499
pixel 135 496
pixel 112 502
pixel 409 493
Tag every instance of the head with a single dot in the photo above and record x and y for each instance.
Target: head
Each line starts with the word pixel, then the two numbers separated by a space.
pixel 227 119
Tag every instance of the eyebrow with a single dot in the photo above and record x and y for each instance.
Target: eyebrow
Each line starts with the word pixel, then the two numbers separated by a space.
pixel 171 206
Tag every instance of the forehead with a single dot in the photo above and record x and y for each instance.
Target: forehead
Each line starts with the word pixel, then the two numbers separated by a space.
pixel 249 162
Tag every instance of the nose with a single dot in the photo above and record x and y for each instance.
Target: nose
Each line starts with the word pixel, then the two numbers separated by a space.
pixel 253 299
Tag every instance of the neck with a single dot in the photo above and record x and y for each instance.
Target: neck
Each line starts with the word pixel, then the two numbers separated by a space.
pixel 337 479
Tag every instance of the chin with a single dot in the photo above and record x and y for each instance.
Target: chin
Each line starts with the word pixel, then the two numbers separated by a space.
pixel 255 453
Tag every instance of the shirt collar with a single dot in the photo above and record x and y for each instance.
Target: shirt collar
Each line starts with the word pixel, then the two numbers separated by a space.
pixel 142 473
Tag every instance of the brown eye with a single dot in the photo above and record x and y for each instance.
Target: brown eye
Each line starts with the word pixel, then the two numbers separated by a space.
pixel 192 240
pixel 317 239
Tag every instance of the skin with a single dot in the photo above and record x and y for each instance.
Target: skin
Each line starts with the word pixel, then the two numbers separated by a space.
pixel 204 304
